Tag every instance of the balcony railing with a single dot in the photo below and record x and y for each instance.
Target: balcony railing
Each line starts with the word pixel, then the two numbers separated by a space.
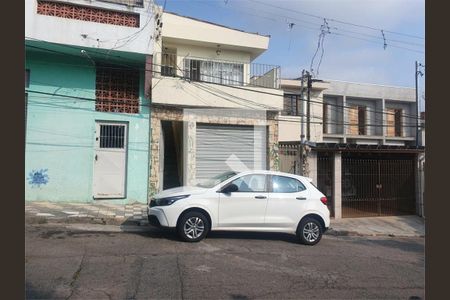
pixel 217 71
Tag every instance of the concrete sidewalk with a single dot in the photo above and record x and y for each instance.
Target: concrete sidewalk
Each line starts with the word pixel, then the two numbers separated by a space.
pixel 136 214
pixel 400 226
pixel 105 213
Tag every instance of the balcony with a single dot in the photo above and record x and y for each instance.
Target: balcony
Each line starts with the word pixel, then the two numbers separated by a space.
pixel 217 71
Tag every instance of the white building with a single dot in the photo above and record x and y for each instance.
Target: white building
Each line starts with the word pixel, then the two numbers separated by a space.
pixel 362 145
pixel 203 74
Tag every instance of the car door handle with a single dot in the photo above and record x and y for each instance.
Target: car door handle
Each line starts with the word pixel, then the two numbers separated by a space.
pixel 300 198
pixel 260 197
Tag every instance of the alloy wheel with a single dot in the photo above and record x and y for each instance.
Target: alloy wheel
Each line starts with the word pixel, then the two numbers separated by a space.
pixel 194 227
pixel 311 232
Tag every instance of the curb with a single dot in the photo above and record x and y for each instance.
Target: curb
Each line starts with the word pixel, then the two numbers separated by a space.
pixel 334 232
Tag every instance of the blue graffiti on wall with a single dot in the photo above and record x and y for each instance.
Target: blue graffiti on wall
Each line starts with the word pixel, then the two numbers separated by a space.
pixel 36 178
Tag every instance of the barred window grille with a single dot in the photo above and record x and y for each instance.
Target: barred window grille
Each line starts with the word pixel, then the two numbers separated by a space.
pixel 117 90
pixel 84 13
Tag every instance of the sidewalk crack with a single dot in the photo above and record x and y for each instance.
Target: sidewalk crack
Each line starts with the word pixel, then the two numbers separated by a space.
pixel 180 276
pixel 76 275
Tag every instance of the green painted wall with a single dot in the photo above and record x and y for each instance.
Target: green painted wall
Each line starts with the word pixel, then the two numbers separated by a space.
pixel 61 131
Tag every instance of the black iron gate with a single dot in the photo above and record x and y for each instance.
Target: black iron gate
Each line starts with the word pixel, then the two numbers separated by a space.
pixel 377 186
pixel 325 177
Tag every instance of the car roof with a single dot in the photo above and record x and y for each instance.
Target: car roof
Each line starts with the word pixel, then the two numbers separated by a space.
pixel 274 173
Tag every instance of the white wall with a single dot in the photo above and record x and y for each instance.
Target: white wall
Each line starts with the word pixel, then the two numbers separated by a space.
pixel 69 31
pixel 191 31
pixel 289 128
pixel 209 53
pixel 368 95
pixel 179 92
pixel 365 90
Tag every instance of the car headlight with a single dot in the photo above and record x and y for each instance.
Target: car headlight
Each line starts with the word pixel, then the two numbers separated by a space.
pixel 168 200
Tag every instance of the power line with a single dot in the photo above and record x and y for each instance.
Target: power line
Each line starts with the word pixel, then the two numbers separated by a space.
pixel 147 105
pixel 336 20
pixel 371 41
pixel 233 86
pixel 284 17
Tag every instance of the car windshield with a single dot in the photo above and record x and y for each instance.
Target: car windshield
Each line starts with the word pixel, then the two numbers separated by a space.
pixel 210 182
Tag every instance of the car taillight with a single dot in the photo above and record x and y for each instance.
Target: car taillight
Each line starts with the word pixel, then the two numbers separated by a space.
pixel 323 200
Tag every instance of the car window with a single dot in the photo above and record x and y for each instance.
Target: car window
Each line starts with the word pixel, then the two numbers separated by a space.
pixel 283 184
pixel 210 182
pixel 251 183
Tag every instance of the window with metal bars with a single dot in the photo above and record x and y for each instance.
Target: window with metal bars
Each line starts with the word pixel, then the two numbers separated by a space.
pixel 117 90
pixel 292 105
pixel 214 71
pixel 112 136
pixel 169 62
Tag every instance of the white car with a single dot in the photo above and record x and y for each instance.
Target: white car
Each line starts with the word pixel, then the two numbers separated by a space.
pixel 249 201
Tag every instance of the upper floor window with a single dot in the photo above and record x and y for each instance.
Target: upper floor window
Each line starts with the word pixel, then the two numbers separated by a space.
pixel 169 62
pixel 357 120
pixel 394 122
pixel 362 116
pixel 292 105
pixel 117 90
pixel 325 117
pixel 214 71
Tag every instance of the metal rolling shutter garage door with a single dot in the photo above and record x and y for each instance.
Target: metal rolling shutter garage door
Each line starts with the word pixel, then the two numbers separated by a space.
pixel 215 144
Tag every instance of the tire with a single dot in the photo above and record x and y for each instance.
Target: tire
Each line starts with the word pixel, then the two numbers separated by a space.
pixel 190 225
pixel 309 231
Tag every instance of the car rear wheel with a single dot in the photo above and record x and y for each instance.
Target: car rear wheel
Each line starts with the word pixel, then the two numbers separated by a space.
pixel 193 226
pixel 309 231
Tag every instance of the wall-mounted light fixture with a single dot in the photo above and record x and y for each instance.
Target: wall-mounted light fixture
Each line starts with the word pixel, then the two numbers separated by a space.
pixel 218 51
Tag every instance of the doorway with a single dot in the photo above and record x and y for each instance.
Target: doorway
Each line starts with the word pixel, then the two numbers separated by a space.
pixel 172 150
pixel 110 154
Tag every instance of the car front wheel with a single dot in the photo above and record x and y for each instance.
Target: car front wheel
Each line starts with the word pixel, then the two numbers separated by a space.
pixel 193 226
pixel 309 231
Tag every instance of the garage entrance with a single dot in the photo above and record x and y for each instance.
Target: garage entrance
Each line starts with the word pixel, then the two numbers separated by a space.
pixel 220 148
pixel 377 185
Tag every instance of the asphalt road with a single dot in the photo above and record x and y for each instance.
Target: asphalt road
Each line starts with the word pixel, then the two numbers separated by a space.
pixel 78 264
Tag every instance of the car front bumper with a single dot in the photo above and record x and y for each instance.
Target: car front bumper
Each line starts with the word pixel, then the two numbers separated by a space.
pixel 156 217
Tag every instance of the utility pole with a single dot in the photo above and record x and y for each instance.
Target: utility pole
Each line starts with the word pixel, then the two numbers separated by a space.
pixel 308 114
pixel 417 73
pixel 302 125
pixel 302 106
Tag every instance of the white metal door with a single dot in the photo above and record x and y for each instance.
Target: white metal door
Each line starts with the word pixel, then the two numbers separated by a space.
pixel 110 160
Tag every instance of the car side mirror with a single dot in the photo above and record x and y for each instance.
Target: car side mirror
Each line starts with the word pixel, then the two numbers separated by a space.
pixel 229 189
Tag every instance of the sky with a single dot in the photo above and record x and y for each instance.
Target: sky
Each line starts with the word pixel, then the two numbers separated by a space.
pixel 350 53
